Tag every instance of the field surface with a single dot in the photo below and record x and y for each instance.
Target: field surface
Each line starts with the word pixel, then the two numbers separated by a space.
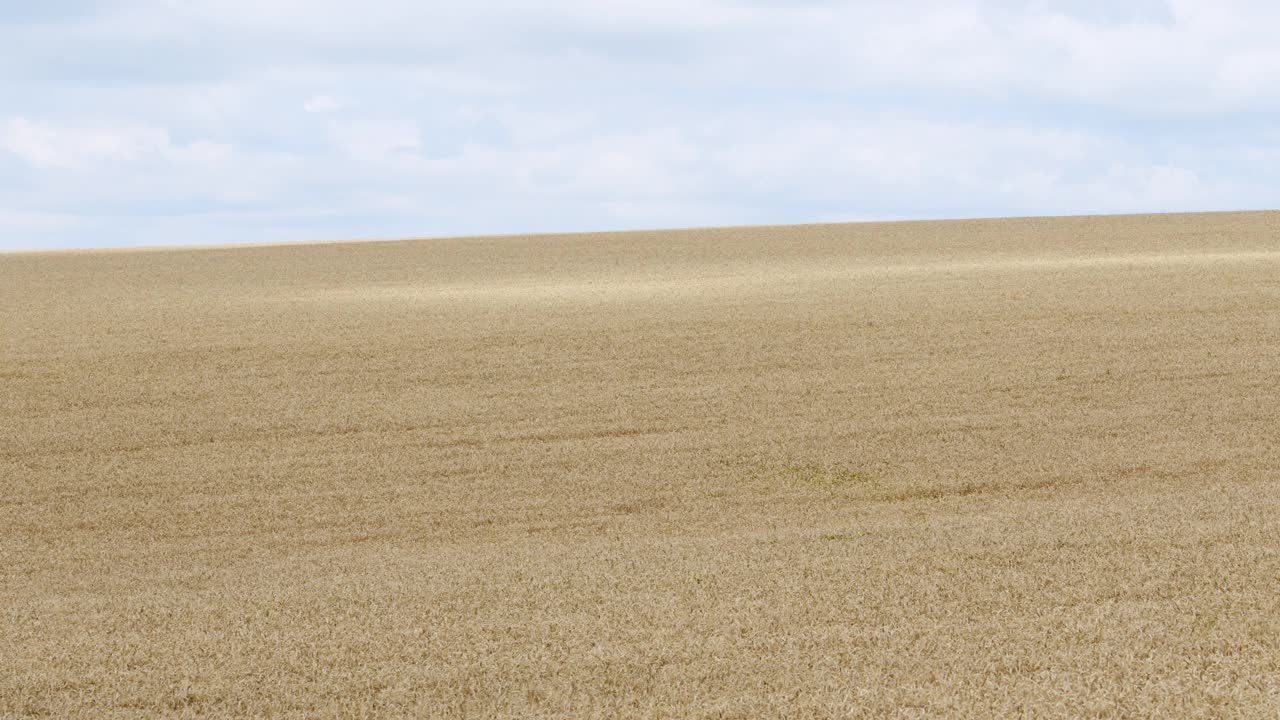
pixel 994 468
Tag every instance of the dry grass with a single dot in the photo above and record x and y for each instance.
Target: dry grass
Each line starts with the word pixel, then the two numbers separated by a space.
pixel 966 469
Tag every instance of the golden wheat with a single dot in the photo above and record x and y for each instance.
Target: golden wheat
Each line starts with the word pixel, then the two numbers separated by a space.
pixel 964 469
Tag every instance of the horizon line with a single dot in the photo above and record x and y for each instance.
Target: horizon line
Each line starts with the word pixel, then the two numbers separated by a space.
pixel 620 231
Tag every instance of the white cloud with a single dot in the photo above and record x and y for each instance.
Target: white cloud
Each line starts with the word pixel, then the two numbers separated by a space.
pixel 321 104
pixel 377 142
pixel 47 146
pixel 38 222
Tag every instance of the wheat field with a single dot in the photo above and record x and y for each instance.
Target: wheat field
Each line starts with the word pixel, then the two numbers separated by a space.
pixel 986 468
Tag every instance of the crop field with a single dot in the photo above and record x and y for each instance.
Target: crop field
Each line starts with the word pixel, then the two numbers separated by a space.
pixel 986 468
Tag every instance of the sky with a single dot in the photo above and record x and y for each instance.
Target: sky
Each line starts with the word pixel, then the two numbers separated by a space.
pixel 161 122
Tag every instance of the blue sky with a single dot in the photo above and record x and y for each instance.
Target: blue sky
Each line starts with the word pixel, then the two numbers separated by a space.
pixel 207 121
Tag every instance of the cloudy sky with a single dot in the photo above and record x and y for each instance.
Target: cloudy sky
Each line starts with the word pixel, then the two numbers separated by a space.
pixel 204 121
